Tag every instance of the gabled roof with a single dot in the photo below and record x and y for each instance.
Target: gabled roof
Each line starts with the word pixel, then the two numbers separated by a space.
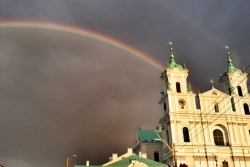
pixel 126 161
pixel 147 136
pixel 129 159
pixel 213 92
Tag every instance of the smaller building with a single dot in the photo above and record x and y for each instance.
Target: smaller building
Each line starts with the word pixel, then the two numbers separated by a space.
pixel 128 159
pixel 146 143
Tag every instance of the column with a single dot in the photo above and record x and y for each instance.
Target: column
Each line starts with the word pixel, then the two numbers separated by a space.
pixel 192 132
pixel 210 136
pixel 204 125
pixel 246 133
pixel 173 131
pixel 241 133
pixel 198 129
pixel 205 132
pixel 236 132
pixel 180 133
pixel 231 132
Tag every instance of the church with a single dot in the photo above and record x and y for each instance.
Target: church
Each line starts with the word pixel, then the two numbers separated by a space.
pixel 208 129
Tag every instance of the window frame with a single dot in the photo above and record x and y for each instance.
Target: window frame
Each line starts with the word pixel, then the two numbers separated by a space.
pixel 216 107
pixel 218 137
pixel 185 132
pixel 239 91
pixel 246 109
pixel 178 87
pixel 156 156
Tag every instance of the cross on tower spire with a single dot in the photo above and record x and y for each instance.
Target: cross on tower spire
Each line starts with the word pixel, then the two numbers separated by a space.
pixel 212 83
pixel 170 44
pixel 227 48
pixel 230 66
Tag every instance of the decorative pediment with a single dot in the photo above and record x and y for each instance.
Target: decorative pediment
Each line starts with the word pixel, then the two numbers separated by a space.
pixel 213 92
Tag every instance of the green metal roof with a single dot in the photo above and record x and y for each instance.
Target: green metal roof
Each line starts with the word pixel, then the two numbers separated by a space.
pixel 172 64
pixel 231 68
pixel 147 136
pixel 88 166
pixel 127 161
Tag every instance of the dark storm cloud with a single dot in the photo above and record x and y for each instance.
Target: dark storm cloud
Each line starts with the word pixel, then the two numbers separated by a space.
pixel 62 95
pixel 70 95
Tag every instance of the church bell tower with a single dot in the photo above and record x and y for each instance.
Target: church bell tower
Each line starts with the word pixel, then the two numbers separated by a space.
pixel 234 81
pixel 177 103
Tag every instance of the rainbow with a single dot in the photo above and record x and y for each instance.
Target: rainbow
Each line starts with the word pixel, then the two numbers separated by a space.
pixel 83 32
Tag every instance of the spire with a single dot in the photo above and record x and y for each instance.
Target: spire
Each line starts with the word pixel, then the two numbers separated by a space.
pixel 184 66
pixel 230 66
pixel 172 63
pixel 212 84
pixel 170 44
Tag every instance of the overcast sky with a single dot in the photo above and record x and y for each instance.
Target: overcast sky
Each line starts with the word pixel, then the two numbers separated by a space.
pixel 63 94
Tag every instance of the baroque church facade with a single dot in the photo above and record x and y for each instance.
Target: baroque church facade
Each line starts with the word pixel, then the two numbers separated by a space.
pixel 209 129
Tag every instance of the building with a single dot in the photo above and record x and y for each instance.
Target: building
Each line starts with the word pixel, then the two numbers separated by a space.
pixel 128 159
pixel 146 143
pixel 205 129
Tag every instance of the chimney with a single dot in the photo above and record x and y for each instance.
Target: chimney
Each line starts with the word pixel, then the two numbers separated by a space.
pixel 130 150
pixel 87 163
pixel 144 155
pixel 114 156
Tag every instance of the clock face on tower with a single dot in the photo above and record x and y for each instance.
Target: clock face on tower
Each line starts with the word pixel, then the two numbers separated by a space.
pixel 182 102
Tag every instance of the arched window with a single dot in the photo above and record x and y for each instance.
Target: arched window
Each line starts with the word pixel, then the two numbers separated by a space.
pixel 178 87
pixel 197 102
pixel 186 134
pixel 246 109
pixel 239 91
pixel 218 137
pixel 230 91
pixel 233 104
pixel 216 107
pixel 224 163
pixel 156 157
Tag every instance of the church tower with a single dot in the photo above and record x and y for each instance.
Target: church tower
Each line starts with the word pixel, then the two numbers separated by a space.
pixel 178 106
pixel 175 76
pixel 234 81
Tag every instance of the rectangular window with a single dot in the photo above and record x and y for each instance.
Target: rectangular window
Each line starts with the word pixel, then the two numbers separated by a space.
pixel 156 157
